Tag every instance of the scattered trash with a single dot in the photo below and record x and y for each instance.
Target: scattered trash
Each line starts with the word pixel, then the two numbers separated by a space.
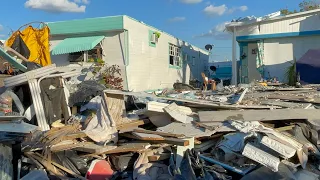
pixel 56 127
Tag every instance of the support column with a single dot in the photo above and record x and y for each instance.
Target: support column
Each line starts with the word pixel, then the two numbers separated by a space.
pixel 85 56
pixel 234 57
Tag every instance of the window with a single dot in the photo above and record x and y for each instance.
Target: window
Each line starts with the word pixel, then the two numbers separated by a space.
pixel 193 60
pixel 76 56
pixel 152 40
pixel 174 55
pixel 94 54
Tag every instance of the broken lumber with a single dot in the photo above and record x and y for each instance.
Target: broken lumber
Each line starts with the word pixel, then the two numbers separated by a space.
pixel 75 136
pixel 132 124
pixel 160 157
pixel 159 133
pixel 116 107
pixel 148 137
pixel 260 115
pixel 93 148
pixel 129 147
pixel 167 140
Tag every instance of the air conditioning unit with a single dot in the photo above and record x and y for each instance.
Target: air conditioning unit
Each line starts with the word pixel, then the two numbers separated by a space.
pixel 154 38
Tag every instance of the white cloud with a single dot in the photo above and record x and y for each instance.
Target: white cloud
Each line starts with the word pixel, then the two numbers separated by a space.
pixel 191 1
pixel 82 1
pixel 56 5
pixel 241 8
pixel 177 19
pixel 212 10
pixel 1 27
pixel 218 32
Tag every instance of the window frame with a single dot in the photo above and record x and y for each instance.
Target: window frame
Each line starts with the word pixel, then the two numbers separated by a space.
pixel 175 56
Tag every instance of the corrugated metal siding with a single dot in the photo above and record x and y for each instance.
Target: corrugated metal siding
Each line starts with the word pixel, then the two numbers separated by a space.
pixel 308 23
pixel 294 24
pixel 149 66
pixel 86 25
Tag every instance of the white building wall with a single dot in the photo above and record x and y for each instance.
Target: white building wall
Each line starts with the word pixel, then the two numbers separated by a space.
pixel 149 66
pixel 289 24
pixel 114 52
pixel 279 52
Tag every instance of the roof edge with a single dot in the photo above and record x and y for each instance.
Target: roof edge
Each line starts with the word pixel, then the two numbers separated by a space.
pixel 237 24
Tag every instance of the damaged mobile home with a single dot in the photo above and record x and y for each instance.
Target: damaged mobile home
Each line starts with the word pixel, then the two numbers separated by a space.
pixel 143 52
pixel 268 45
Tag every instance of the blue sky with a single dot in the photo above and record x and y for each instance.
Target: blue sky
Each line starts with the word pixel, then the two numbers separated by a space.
pixel 199 22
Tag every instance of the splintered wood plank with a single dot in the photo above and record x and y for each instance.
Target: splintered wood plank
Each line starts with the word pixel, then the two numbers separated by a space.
pixel 116 107
pixel 94 148
pixel 167 140
pixel 160 157
pixel 132 125
pixel 129 147
pixel 146 137
pixel 159 133
pixel 260 115
pixel 75 136
pixel 65 145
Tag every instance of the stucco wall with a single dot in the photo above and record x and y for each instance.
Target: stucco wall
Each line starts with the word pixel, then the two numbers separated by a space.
pixel 149 66
pixel 279 52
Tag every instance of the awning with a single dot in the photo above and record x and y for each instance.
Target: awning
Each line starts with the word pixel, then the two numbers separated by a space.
pixel 71 45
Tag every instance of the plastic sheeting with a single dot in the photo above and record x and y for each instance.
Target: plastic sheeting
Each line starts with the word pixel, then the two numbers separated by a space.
pixel 37 41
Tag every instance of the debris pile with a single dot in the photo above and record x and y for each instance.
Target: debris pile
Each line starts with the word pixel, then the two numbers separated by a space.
pixel 62 130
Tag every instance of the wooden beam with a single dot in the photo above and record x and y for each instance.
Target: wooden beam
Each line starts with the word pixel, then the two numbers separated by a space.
pixel 168 140
pixel 93 148
pixel 132 124
pixel 75 136
pixel 159 133
pixel 129 147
